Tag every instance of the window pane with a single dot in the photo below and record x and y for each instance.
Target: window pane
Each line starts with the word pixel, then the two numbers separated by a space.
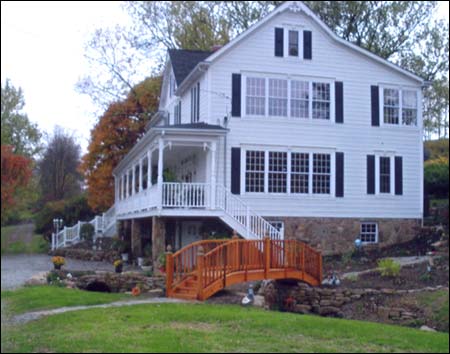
pixel 256 96
pixel 300 99
pixel 321 100
pixel 293 43
pixel 321 174
pixel 391 106
pixel 278 97
pixel 385 175
pixel 299 173
pixel 254 175
pixel 368 232
pixel 409 112
pixel 277 172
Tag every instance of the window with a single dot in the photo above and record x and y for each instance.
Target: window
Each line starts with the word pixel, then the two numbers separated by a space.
pixel 300 99
pixel 256 96
pixel 136 178
pixel 293 43
pixel 385 175
pixel 321 174
pixel 145 173
pixel 321 101
pixel 177 113
pixel 195 103
pixel 124 186
pixel 299 173
pixel 369 232
pixel 130 181
pixel 277 172
pixel 391 106
pixel 254 175
pixel 172 85
pixel 278 97
pixel 279 225
pixel 409 107
pixel 120 188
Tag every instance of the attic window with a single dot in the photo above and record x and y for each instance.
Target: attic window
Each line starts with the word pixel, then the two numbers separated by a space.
pixel 293 43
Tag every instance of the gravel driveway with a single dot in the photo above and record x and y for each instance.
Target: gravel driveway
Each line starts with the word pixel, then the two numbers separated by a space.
pixel 17 269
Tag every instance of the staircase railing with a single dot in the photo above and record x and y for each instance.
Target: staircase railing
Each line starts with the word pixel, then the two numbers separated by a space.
pixel 256 227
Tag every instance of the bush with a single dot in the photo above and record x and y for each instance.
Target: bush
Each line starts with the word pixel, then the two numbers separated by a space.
pixel 436 177
pixel 87 232
pixel 389 268
pixel 70 210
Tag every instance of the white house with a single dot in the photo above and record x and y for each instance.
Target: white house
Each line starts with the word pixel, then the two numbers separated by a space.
pixel 287 130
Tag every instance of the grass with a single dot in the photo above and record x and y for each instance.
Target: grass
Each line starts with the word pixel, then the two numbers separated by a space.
pixel 11 246
pixel 211 328
pixel 34 298
pixel 437 302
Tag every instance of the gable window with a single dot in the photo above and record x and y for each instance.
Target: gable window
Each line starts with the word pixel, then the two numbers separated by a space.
pixel 385 174
pixel 369 232
pixel 321 174
pixel 299 173
pixel 409 107
pixel 321 101
pixel 293 43
pixel 277 172
pixel 254 175
pixel 300 99
pixel 195 103
pixel 256 96
pixel 278 97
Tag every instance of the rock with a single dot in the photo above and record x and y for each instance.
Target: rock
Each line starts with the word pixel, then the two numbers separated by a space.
pixel 329 311
pixel 427 329
pixel 38 279
pixel 303 309
pixel 259 301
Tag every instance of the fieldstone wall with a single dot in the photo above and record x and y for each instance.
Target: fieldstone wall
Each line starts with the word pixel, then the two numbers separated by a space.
pixel 136 238
pixel 158 240
pixel 337 235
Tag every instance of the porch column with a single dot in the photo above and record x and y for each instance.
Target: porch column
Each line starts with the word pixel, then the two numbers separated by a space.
pixel 213 175
pixel 140 176
pixel 116 189
pixel 125 182
pixel 149 169
pixel 160 172
pixel 136 239
pixel 133 181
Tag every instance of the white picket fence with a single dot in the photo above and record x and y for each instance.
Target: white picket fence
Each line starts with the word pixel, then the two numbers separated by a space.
pixel 104 225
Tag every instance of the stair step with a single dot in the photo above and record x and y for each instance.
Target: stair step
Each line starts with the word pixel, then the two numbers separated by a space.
pixel 185 296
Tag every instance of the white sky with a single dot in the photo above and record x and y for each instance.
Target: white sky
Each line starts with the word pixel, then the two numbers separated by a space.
pixel 42 52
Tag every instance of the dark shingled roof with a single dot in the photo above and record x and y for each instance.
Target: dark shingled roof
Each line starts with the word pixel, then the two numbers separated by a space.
pixel 184 61
pixel 193 126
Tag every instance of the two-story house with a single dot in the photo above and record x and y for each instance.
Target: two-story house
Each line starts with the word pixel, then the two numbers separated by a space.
pixel 287 131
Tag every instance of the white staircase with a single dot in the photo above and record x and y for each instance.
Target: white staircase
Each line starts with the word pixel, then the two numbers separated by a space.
pixel 104 226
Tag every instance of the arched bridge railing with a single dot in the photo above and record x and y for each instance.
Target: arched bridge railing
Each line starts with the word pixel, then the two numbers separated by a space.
pixel 218 264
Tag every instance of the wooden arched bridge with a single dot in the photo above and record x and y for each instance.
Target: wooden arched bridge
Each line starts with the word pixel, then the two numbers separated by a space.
pixel 203 268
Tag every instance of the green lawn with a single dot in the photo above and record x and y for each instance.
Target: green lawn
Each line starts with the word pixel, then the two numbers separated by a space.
pixel 437 303
pixel 34 298
pixel 14 243
pixel 210 328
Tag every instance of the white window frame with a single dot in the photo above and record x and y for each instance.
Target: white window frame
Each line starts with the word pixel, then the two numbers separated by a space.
pixel 311 151
pixel 289 78
pixel 268 97
pixel 361 232
pixel 391 156
pixel 418 124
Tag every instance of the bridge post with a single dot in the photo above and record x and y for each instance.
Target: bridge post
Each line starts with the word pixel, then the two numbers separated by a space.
pixel 267 255
pixel 200 266
pixel 169 271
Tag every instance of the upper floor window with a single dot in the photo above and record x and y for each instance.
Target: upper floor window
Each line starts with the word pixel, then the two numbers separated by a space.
pixel 195 103
pixel 256 96
pixel 321 100
pixel 172 85
pixel 278 97
pixel 293 43
pixel 177 113
pixel 299 99
pixel 385 175
pixel 400 107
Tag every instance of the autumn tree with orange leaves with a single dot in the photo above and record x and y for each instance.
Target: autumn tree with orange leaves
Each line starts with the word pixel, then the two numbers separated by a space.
pixel 15 174
pixel 116 132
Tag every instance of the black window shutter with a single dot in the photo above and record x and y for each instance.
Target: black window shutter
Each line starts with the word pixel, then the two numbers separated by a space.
pixel 398 175
pixel 279 42
pixel 339 101
pixel 307 45
pixel 375 98
pixel 236 95
pixel 340 174
pixel 370 174
pixel 236 170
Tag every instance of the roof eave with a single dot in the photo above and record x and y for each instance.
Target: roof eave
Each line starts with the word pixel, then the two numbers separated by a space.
pixel 194 75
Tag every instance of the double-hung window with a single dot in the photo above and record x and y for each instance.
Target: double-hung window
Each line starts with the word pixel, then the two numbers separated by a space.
pixel 177 113
pixel 299 173
pixel 321 104
pixel 321 174
pixel 256 96
pixel 254 175
pixel 278 97
pixel 391 106
pixel 409 107
pixel 277 172
pixel 385 175
pixel 195 103
pixel 293 43
pixel 299 99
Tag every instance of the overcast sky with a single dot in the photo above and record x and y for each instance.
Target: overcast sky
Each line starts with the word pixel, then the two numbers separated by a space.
pixel 42 52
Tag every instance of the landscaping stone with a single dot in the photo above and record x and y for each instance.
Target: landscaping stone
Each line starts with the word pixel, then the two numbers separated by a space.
pixel 427 329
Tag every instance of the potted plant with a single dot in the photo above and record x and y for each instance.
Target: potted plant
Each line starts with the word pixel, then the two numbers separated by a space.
pixel 147 265
pixel 140 261
pixel 58 262
pixel 162 262
pixel 122 248
pixel 118 266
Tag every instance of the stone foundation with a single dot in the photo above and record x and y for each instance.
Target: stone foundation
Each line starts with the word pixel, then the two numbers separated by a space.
pixel 158 240
pixel 337 235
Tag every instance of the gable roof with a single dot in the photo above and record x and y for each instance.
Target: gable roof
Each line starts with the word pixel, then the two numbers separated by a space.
pixel 184 61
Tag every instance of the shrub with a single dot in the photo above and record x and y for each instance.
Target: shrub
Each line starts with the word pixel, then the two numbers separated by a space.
pixel 389 268
pixel 436 177
pixel 87 232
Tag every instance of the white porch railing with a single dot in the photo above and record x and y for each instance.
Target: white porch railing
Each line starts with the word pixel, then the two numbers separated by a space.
pixel 186 195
